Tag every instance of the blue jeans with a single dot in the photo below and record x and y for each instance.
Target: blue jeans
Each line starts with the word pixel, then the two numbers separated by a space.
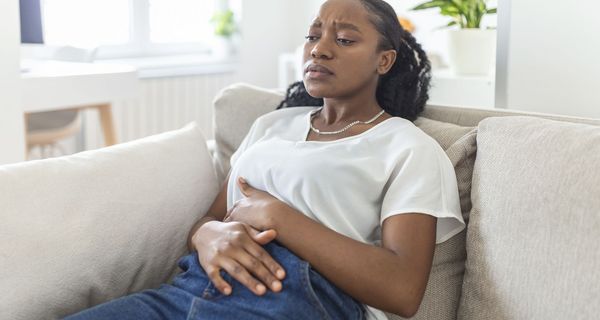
pixel 305 295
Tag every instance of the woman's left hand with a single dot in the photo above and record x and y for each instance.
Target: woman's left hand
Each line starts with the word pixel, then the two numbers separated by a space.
pixel 257 208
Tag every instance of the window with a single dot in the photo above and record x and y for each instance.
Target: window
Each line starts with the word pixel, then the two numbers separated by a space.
pixel 132 28
pixel 179 20
pixel 84 23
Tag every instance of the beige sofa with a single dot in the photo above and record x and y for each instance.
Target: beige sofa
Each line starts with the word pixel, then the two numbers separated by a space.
pixel 105 223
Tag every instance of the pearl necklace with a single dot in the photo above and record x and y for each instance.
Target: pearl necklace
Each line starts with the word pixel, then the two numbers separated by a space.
pixel 345 128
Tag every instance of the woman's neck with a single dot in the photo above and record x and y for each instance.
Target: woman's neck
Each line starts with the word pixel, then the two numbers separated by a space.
pixel 336 111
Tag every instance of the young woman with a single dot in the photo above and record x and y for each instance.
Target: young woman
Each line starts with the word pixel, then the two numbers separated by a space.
pixel 332 208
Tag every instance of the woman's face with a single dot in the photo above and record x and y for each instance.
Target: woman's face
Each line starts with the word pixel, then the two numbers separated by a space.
pixel 341 56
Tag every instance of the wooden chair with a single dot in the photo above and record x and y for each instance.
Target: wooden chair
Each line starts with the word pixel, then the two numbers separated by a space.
pixel 46 129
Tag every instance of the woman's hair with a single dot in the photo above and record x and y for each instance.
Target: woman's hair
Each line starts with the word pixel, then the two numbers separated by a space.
pixel 403 90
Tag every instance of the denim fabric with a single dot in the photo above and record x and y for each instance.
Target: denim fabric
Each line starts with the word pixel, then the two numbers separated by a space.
pixel 305 295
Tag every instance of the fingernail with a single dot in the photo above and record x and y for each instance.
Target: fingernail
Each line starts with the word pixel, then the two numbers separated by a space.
pixel 227 290
pixel 280 274
pixel 261 288
pixel 276 285
pixel 242 180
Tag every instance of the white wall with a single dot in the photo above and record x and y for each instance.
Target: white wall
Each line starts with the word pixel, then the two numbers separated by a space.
pixel 270 28
pixel 12 147
pixel 549 57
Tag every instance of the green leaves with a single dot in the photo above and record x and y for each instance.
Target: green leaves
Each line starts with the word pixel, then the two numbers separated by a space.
pixel 430 4
pixel 465 13
pixel 224 23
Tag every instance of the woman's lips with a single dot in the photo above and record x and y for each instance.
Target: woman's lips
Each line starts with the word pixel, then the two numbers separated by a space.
pixel 317 74
pixel 317 71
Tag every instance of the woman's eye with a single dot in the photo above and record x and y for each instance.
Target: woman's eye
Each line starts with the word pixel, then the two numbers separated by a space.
pixel 310 38
pixel 345 41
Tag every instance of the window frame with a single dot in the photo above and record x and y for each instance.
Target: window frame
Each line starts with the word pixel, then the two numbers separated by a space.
pixel 140 45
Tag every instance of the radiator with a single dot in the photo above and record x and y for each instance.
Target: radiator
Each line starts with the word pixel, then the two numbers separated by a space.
pixel 162 104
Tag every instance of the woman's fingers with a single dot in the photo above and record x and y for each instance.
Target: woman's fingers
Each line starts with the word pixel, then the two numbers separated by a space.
pixel 239 273
pixel 233 247
pixel 255 248
pixel 215 276
pixel 258 269
pixel 263 256
pixel 261 237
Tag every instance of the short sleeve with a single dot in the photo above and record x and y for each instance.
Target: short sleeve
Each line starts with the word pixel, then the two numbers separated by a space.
pixel 424 181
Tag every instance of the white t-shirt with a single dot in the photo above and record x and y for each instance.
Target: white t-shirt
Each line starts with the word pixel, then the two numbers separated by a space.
pixel 352 184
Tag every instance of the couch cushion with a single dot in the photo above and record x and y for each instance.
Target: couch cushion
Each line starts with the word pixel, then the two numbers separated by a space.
pixel 469 116
pixel 83 229
pixel 444 133
pixel 445 280
pixel 532 239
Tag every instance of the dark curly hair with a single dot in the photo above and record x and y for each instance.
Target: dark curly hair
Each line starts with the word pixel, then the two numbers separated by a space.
pixel 403 90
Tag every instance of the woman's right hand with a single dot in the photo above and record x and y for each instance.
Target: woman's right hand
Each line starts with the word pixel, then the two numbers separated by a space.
pixel 237 248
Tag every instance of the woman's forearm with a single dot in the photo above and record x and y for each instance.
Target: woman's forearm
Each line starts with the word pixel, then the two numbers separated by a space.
pixel 370 274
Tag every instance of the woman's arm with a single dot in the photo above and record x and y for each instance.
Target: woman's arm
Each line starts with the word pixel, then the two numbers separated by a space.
pixel 216 212
pixel 391 278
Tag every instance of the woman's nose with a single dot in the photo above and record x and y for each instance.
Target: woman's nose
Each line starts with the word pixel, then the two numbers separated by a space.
pixel 320 50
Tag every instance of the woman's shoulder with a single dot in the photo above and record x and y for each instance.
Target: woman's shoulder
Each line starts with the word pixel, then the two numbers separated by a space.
pixel 407 133
pixel 283 116
pixel 405 137
pixel 286 113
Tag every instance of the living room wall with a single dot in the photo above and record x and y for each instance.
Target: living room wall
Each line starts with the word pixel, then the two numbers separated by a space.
pixel 11 117
pixel 548 57
pixel 270 28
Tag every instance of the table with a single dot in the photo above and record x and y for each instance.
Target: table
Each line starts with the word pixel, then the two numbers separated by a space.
pixel 49 85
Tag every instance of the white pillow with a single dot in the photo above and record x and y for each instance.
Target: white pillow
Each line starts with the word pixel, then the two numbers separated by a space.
pixel 79 230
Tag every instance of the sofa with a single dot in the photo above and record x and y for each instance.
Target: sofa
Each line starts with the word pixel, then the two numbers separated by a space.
pixel 87 228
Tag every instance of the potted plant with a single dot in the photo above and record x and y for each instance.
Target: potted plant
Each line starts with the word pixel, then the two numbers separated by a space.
pixel 225 28
pixel 471 48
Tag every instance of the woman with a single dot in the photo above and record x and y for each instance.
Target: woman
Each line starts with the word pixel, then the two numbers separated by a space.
pixel 321 216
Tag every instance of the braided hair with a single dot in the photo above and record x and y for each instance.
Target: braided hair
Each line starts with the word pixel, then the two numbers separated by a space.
pixel 403 90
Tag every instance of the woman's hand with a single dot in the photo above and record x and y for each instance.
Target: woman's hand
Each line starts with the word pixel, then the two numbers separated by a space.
pixel 237 248
pixel 257 208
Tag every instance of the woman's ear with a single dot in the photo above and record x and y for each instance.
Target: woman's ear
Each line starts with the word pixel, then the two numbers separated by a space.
pixel 386 61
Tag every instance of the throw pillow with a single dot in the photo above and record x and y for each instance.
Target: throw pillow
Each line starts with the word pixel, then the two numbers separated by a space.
pixel 79 230
pixel 532 240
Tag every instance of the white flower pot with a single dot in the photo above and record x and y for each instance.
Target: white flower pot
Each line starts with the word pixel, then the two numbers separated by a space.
pixel 222 47
pixel 472 51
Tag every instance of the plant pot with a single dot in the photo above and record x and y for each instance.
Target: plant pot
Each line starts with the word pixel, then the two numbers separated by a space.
pixel 472 51
pixel 222 47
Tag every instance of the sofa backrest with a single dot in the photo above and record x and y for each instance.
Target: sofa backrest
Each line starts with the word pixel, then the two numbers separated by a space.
pixel 463 116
